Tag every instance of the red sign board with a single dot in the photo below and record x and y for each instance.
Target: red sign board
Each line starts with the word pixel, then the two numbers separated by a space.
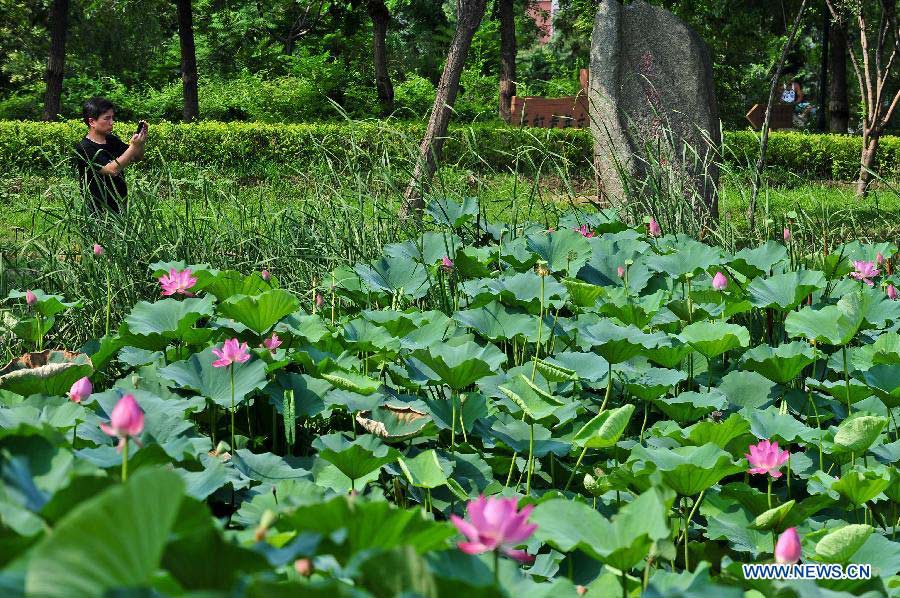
pixel 552 113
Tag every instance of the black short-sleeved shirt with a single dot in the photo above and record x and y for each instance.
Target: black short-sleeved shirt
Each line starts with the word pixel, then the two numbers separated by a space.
pixel 105 190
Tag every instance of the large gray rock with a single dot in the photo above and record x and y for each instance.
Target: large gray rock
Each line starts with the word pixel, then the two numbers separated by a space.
pixel 652 104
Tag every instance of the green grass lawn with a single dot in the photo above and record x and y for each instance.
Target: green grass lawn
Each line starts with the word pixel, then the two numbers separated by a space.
pixel 30 203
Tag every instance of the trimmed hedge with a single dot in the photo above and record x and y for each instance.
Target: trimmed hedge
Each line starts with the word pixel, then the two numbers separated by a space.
pixel 248 148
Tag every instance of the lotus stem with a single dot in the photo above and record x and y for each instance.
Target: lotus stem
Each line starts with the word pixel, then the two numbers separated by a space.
pixel 108 300
pixel 497 568
pixel 512 464
pixel 846 377
pixel 537 348
pixel 125 461
pixel 769 492
pixel 574 469
pixel 452 422
pixel 231 375
pixel 609 384
pixel 530 459
pixel 74 435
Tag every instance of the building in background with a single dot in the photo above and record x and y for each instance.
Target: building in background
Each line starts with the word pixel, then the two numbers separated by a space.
pixel 542 11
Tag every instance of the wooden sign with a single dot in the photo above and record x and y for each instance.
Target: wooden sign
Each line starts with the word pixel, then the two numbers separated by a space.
pixel 552 113
pixel 782 116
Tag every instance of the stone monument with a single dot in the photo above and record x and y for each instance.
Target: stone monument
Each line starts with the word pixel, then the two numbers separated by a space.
pixel 652 104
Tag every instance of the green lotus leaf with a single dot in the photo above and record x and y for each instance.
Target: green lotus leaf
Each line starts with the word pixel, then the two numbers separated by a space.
pixel 690 406
pixel 394 422
pixel 524 290
pixel 447 212
pixel 351 381
pixel 833 324
pixel 33 329
pixel 629 309
pixel 615 343
pixel 553 372
pixel 355 459
pixel 424 470
pixel 621 542
pixel 785 291
pixel 226 284
pixel 47 372
pixel 564 250
pixel 669 352
pixel 47 305
pixel 518 435
pixel 429 248
pixel 772 424
pixel 605 429
pixel 689 257
pixel 884 380
pixel 125 530
pixel 838 389
pixel 169 318
pixel 688 470
pixel 711 339
pixel 859 485
pixel 266 467
pixel 747 389
pixel 460 362
pixel 354 527
pixel 774 517
pixel 886 348
pixel 780 364
pixel 300 325
pixel 856 434
pixel 364 335
pixel 260 312
pixel 589 367
pixel 757 261
pixel 197 373
pixel 840 545
pixel 653 382
pixel 583 294
pixel 495 321
pixel 718 433
pixel 534 402
pixel 406 277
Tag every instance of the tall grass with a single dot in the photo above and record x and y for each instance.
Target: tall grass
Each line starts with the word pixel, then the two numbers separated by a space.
pixel 300 221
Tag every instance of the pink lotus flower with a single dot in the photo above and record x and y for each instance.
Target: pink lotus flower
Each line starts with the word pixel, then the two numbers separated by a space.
pixel 303 567
pixel 620 271
pixel 81 390
pixel 787 549
pixel 320 301
pixel 719 281
pixel 177 282
pixel 125 421
pixel 865 271
pixel 265 275
pixel 585 231
pixel 30 298
pixel 98 249
pixel 765 457
pixel 786 235
pixel 271 343
pixel 654 229
pixel 879 258
pixel 892 292
pixel 495 524
pixel 446 263
pixel 230 353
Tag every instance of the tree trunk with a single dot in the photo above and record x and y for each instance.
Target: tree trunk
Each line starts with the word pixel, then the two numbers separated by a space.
pixel 56 65
pixel 188 60
pixel 469 14
pixel 380 19
pixel 838 106
pixel 867 162
pixel 821 122
pixel 507 57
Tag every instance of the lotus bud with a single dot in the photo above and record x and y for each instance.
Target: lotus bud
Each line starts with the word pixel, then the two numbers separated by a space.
pixel 30 298
pixel 786 235
pixel 653 228
pixel 265 275
pixel 788 549
pixel 620 271
pixel 541 269
pixel 892 292
pixel 879 258
pixel 268 518
pixel 719 281
pixel 98 249
pixel 81 390
pixel 303 567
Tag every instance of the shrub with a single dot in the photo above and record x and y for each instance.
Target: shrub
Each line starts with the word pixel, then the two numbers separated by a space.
pixel 248 147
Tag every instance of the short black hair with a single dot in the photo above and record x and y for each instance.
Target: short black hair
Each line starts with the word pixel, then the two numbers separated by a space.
pixel 94 107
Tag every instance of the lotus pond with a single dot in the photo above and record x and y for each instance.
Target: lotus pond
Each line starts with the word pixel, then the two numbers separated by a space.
pixel 598 410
